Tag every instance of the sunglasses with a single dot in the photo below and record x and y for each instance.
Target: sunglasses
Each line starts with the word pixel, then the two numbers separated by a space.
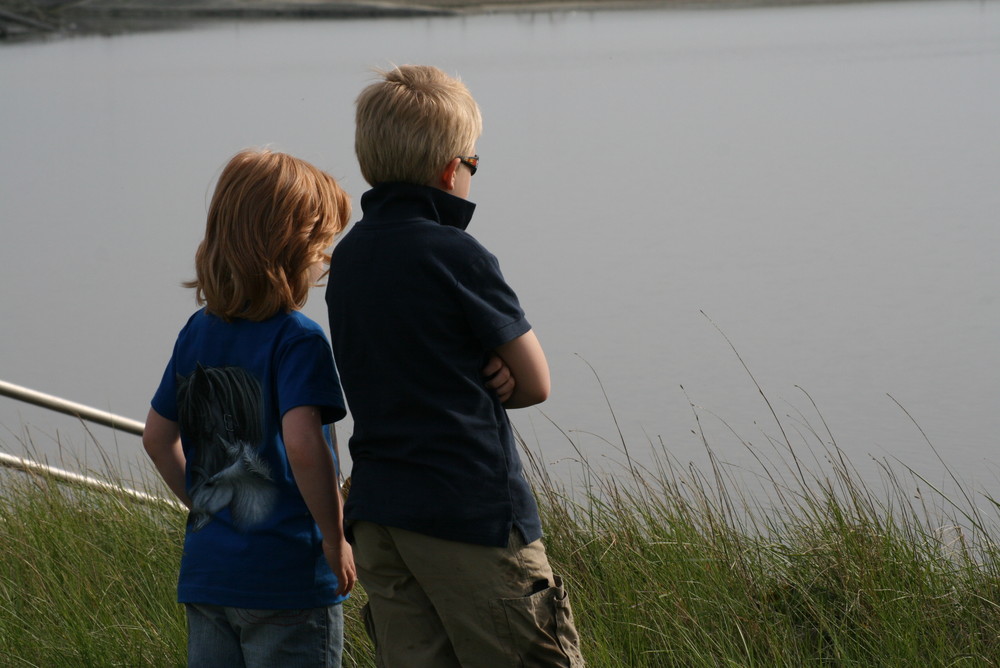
pixel 471 161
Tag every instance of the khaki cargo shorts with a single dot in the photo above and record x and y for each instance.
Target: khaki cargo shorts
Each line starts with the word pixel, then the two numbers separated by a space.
pixel 443 604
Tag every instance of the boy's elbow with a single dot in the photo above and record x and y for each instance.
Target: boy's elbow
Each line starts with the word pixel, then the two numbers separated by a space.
pixel 542 393
pixel 537 391
pixel 543 386
pixel 533 399
pixel 524 397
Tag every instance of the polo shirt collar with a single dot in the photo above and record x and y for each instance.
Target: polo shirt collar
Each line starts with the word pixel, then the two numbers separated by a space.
pixel 398 201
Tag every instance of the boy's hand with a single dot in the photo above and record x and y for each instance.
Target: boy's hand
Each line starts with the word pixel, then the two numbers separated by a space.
pixel 340 556
pixel 499 378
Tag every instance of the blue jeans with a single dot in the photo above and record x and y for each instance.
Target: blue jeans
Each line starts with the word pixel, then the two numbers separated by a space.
pixel 245 638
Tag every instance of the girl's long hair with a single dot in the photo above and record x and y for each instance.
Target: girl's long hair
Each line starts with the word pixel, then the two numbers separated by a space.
pixel 272 217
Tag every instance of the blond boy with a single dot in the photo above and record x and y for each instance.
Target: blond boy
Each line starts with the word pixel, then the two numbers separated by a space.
pixel 444 526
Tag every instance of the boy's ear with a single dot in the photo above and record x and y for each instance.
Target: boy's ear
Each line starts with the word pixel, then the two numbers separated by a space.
pixel 447 178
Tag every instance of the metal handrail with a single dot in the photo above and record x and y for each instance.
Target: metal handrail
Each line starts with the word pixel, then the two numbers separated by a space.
pixel 30 466
pixel 84 413
pixel 71 408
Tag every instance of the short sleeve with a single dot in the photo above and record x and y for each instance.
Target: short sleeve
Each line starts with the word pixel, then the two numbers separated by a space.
pixel 306 375
pixel 489 304
pixel 165 399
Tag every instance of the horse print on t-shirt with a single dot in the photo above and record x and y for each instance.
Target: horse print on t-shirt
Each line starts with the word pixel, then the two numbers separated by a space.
pixel 220 415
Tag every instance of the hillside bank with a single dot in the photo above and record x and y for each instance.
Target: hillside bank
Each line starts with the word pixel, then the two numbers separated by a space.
pixel 33 19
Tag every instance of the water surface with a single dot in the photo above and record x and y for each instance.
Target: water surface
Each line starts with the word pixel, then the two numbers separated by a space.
pixel 818 183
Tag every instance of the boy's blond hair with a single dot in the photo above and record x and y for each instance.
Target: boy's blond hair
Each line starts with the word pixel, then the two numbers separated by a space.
pixel 272 217
pixel 412 123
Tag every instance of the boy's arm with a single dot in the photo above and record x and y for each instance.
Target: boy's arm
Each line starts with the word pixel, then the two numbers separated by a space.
pixel 316 476
pixel 526 359
pixel 499 378
pixel 162 440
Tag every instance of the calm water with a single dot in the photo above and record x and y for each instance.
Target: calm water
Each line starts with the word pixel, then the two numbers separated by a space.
pixel 819 182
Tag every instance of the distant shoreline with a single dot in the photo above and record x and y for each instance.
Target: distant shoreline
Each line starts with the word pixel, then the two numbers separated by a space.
pixel 39 19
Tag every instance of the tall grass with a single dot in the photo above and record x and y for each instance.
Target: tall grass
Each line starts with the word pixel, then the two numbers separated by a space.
pixel 795 563
pixel 787 564
pixel 86 578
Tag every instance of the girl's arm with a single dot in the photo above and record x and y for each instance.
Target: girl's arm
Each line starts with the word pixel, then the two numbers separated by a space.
pixel 528 366
pixel 316 476
pixel 162 440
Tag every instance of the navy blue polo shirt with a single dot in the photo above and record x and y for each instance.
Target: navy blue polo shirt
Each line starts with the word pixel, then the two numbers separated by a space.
pixel 416 306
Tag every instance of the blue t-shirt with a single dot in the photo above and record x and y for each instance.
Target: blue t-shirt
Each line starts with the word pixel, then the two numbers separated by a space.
pixel 250 540
pixel 416 307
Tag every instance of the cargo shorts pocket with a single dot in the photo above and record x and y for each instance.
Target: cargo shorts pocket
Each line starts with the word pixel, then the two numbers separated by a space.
pixel 538 630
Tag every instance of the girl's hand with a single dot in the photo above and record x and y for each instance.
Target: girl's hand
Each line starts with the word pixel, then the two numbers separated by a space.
pixel 340 556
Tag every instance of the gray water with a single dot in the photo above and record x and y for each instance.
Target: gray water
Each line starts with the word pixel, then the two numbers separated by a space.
pixel 818 184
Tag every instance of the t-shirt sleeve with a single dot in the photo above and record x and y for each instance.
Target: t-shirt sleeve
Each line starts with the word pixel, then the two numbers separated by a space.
pixel 490 305
pixel 165 399
pixel 307 376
